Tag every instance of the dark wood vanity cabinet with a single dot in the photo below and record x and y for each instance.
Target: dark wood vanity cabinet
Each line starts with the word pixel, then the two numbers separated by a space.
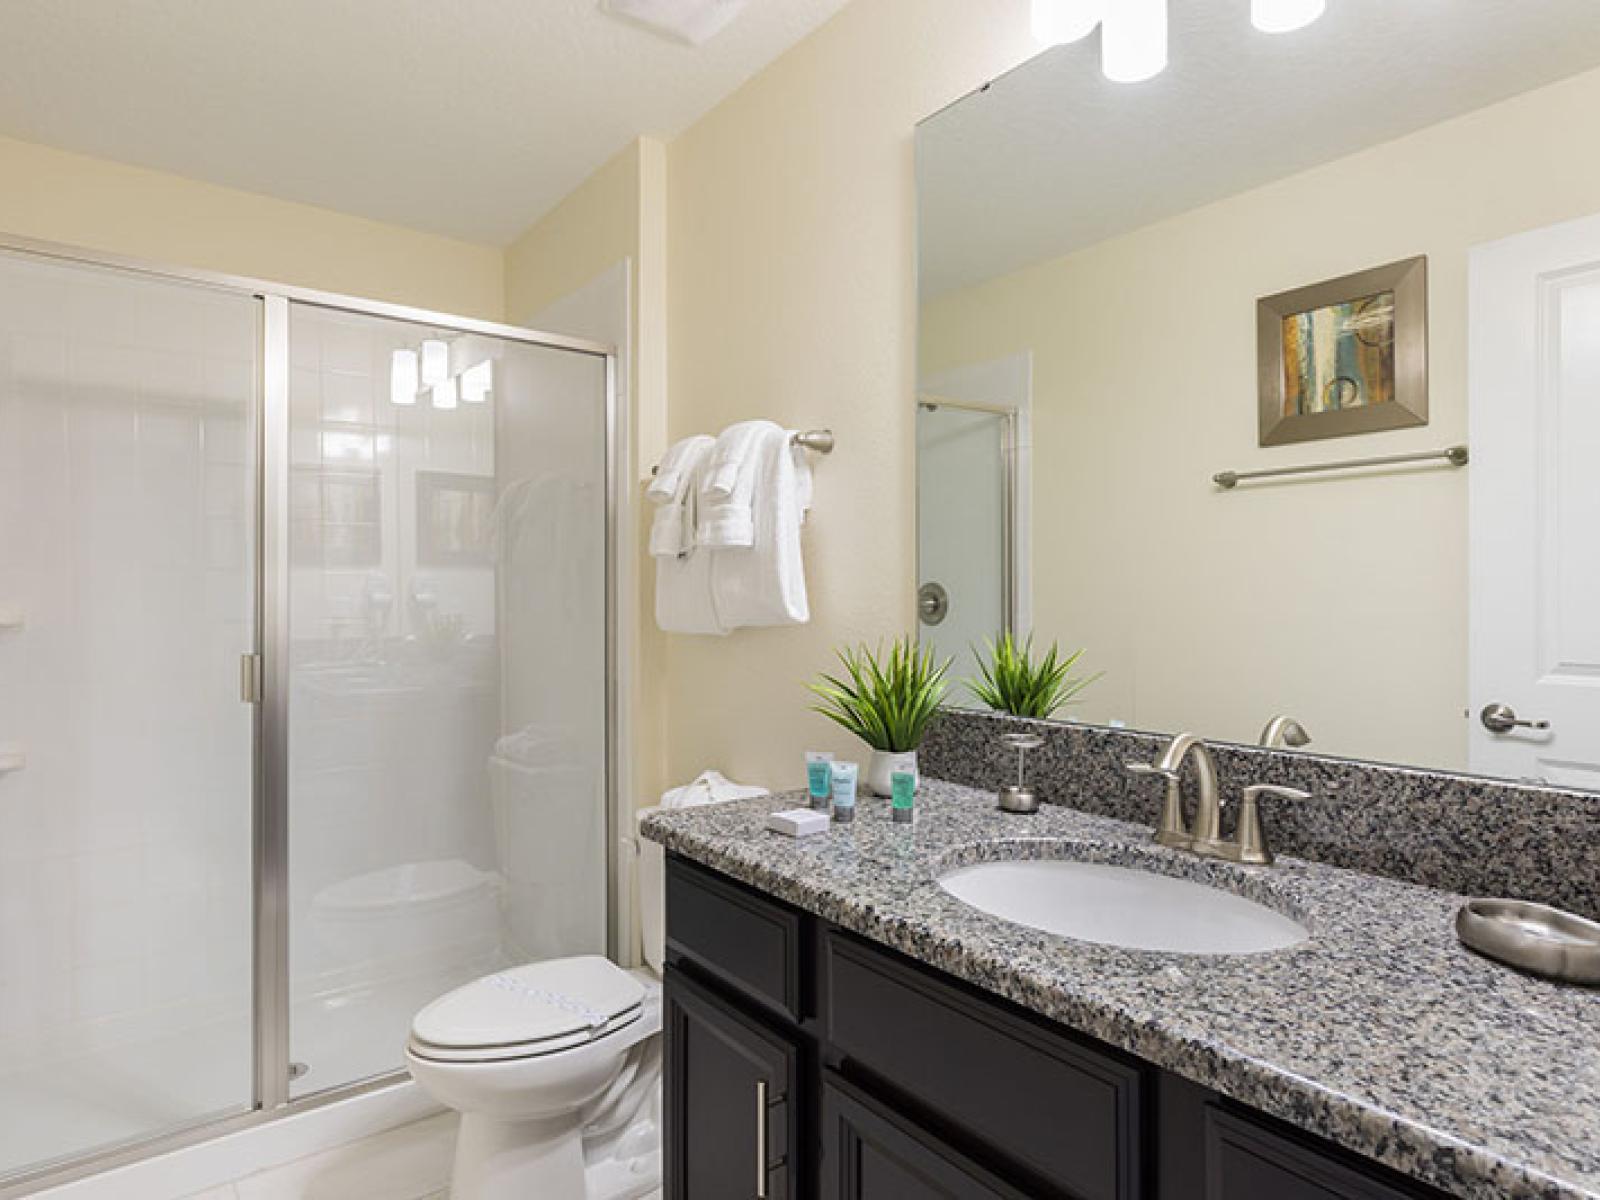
pixel 733 1090
pixel 803 1061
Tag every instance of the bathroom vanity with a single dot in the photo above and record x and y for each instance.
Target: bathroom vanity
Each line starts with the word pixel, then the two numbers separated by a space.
pixel 839 1025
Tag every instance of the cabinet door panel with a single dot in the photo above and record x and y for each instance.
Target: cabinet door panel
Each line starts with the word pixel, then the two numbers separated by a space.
pixel 732 1100
pixel 871 1153
pixel 1247 1161
pixel 1065 1112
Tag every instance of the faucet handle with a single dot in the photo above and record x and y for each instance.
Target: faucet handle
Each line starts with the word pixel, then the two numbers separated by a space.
pixel 1139 768
pixel 1251 842
pixel 1170 829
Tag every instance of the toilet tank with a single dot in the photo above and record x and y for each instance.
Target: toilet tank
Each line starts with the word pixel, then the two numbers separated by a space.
pixel 651 882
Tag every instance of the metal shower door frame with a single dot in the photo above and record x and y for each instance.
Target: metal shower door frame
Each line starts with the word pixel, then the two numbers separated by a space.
pixel 268 683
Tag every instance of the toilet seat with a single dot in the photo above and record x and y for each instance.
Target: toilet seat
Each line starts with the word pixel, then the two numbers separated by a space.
pixel 529 1012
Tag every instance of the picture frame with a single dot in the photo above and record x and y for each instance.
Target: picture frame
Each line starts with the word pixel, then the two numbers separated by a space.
pixel 1345 356
pixel 455 515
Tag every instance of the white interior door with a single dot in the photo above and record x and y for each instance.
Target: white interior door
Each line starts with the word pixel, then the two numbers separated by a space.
pixel 1535 503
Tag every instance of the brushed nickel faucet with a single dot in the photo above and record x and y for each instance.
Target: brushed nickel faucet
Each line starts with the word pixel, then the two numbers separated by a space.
pixel 1206 838
pixel 1249 844
pixel 1284 730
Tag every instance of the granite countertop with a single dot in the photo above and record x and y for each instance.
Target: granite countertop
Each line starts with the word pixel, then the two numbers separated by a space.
pixel 1381 1032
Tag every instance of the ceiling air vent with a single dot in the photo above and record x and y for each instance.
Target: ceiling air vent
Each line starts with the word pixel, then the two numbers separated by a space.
pixel 691 21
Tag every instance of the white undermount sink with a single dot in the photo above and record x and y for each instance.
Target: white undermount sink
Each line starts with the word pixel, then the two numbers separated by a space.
pixel 1122 906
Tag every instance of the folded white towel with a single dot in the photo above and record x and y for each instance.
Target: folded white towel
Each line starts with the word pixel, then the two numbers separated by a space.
pixel 729 458
pixel 724 516
pixel 684 603
pixel 677 465
pixel 765 582
pixel 709 787
pixel 674 492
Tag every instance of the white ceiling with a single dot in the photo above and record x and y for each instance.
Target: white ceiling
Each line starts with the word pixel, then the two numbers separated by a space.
pixel 1053 157
pixel 465 117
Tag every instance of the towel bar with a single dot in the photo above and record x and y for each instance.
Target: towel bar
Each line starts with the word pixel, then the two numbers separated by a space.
pixel 1456 456
pixel 819 441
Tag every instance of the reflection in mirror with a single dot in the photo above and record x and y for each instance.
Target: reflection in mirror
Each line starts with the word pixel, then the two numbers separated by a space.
pixel 1283 252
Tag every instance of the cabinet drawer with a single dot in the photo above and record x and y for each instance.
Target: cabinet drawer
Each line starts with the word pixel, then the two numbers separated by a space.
pixel 747 941
pixel 1250 1161
pixel 872 1153
pixel 1066 1114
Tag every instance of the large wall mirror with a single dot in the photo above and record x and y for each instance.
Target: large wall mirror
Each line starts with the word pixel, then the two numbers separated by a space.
pixel 1373 242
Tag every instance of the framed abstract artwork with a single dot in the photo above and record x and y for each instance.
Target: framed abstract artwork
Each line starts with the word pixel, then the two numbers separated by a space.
pixel 1349 355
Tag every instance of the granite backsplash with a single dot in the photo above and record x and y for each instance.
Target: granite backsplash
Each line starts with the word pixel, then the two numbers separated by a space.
pixel 1461 833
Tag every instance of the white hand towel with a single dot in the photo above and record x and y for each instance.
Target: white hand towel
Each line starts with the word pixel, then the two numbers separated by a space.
pixel 724 516
pixel 728 458
pixel 709 787
pixel 672 529
pixel 765 583
pixel 677 465
pixel 684 603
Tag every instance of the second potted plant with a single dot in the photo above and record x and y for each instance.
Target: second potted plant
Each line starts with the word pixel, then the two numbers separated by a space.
pixel 886 699
pixel 1013 681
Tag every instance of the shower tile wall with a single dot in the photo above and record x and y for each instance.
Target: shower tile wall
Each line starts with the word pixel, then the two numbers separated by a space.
pixel 126 444
pixel 395 701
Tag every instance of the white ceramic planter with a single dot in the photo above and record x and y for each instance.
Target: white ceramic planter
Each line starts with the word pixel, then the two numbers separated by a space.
pixel 882 766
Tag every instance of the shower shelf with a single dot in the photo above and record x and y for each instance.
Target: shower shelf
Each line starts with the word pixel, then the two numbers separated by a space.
pixel 12 758
pixel 11 618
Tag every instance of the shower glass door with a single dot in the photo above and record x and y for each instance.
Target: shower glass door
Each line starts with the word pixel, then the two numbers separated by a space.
pixel 446 675
pixel 127 597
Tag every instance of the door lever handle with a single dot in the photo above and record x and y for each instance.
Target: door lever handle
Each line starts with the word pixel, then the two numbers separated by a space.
pixel 1502 718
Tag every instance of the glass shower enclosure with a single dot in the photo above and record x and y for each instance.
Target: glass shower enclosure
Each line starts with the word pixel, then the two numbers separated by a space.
pixel 304 700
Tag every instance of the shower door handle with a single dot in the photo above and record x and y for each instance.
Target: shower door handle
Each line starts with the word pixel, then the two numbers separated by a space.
pixel 250 679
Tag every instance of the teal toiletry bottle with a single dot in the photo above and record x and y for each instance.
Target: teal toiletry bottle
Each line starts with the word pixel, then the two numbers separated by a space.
pixel 903 796
pixel 819 778
pixel 844 791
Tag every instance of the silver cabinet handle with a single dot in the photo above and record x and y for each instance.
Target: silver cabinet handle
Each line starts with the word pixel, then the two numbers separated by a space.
pixel 761 1139
pixel 1502 718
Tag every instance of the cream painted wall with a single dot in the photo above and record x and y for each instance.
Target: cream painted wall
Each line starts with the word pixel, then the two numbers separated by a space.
pixel 1341 601
pixel 791 296
pixel 56 196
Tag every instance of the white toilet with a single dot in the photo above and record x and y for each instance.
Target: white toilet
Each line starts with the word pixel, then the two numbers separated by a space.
pixel 555 1068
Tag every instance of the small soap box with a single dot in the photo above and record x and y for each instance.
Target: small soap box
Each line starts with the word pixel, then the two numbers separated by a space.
pixel 798 822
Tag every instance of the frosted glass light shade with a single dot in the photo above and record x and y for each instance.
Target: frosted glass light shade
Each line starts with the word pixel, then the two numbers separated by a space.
pixel 1285 16
pixel 477 381
pixel 1133 40
pixel 445 393
pixel 435 362
pixel 1059 21
pixel 404 379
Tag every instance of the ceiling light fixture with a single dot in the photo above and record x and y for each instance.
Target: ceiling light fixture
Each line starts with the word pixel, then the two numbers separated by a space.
pixel 1133 33
pixel 435 362
pixel 1057 22
pixel 1285 16
pixel 404 380
pixel 477 382
pixel 693 21
pixel 1133 40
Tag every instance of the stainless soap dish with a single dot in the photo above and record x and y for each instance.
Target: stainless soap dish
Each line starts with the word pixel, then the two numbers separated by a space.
pixel 1533 937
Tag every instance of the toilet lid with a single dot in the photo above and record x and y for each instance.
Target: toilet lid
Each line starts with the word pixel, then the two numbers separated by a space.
pixel 568 1000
